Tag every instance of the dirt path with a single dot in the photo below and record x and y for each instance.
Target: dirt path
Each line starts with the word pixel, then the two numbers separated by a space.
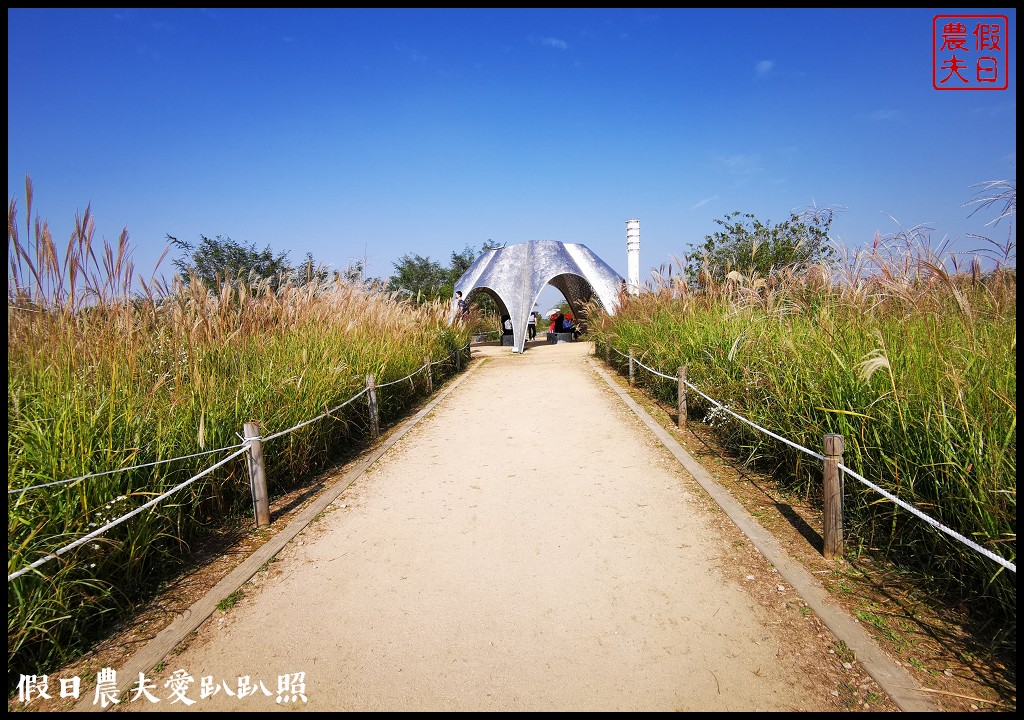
pixel 529 546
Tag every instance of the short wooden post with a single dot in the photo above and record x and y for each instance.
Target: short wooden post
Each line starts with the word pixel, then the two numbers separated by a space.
pixel 371 394
pixel 832 524
pixel 631 363
pixel 681 394
pixel 430 375
pixel 608 353
pixel 257 474
pixel 458 360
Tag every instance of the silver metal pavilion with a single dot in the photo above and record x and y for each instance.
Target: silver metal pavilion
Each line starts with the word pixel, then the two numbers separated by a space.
pixel 514 276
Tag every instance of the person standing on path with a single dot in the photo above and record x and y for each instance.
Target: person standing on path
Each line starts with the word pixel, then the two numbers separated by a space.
pixel 531 326
pixel 461 306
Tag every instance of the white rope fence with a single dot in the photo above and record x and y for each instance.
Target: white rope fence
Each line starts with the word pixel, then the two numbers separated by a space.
pixel 99 531
pixel 1012 567
pixel 726 409
pixel 358 395
pixel 407 377
pixel 124 469
pixel 450 355
pixel 240 449
pixel 321 416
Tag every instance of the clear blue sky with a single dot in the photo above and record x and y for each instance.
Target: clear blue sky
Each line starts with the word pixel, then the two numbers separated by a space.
pixel 376 133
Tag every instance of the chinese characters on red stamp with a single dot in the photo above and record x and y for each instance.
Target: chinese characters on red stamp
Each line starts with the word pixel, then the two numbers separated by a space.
pixel 970 52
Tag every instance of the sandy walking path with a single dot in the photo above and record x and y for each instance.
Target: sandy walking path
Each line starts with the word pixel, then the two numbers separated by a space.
pixel 528 546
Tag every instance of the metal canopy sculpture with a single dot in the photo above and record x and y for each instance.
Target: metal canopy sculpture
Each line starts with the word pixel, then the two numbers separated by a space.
pixel 515 275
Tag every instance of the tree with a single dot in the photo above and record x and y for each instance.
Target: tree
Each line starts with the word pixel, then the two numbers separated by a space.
pixel 421 278
pixel 215 259
pixel 353 274
pixel 459 264
pixel 308 272
pixel 753 248
pixel 424 279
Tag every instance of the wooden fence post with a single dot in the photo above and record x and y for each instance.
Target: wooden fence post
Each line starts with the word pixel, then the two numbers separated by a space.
pixel 681 394
pixel 430 375
pixel 257 474
pixel 371 387
pixel 832 525
pixel 607 354
pixel 458 360
pixel 631 371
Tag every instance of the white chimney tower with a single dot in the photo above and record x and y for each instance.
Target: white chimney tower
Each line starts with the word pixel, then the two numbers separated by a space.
pixel 633 255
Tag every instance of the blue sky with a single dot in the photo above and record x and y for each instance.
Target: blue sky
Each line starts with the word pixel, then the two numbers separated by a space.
pixel 375 133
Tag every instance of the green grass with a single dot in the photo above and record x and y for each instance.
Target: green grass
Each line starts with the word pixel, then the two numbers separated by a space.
pixel 230 601
pixel 843 652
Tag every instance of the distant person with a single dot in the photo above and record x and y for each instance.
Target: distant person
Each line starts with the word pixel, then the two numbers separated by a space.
pixel 569 326
pixel 531 326
pixel 461 306
pixel 559 324
pixel 506 325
